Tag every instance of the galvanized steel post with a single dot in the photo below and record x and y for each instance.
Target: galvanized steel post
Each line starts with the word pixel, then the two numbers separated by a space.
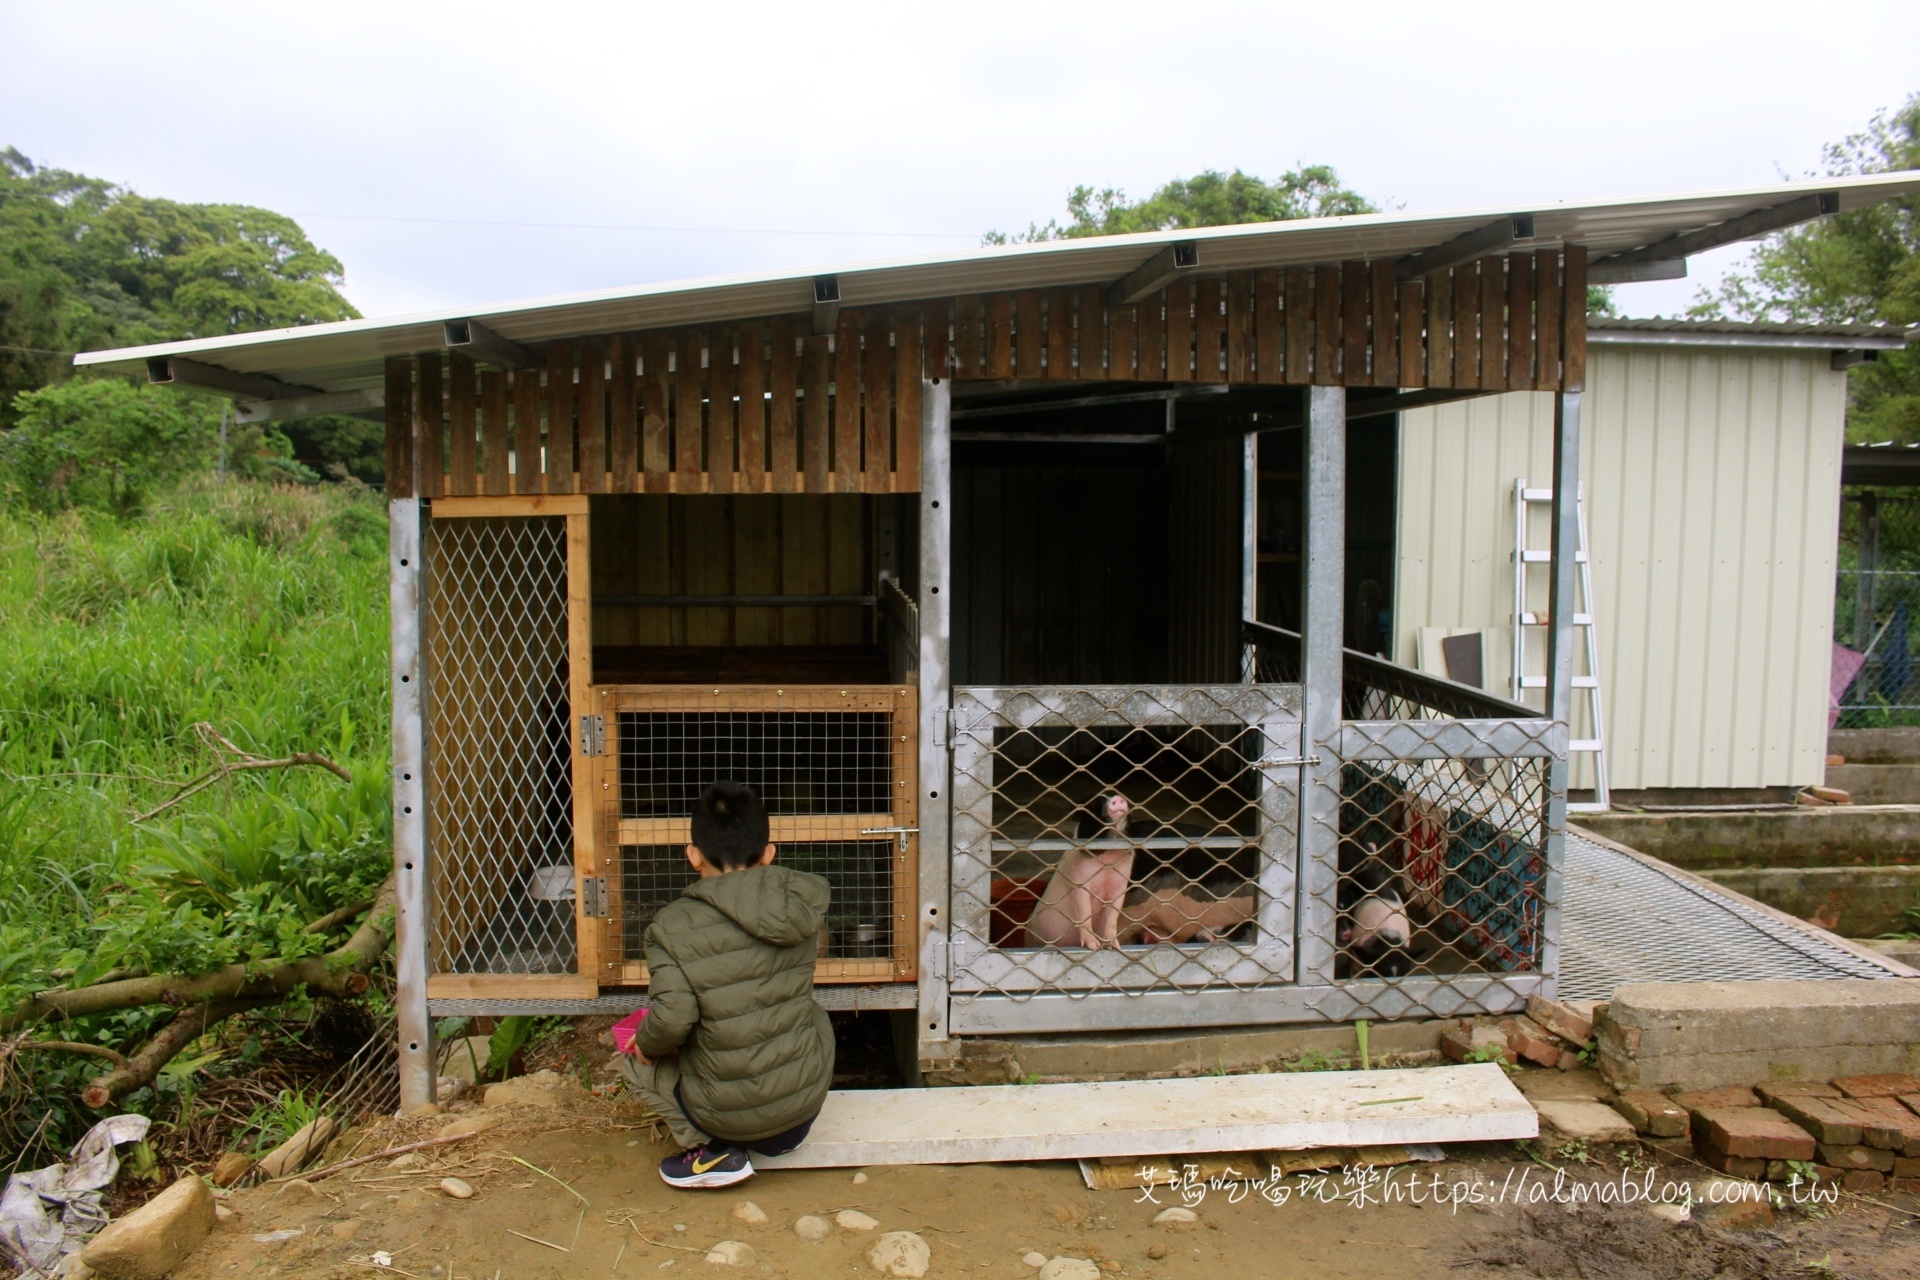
pixel 1322 628
pixel 1562 574
pixel 936 702
pixel 409 805
pixel 1249 545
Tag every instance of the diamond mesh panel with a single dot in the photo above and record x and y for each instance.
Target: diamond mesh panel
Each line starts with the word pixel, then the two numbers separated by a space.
pixel 1052 891
pixel 498 746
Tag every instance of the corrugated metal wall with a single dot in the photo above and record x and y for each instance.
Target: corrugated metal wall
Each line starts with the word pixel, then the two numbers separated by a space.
pixel 1712 479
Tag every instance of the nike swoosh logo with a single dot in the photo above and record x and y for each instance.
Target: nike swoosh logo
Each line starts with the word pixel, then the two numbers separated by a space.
pixel 702 1168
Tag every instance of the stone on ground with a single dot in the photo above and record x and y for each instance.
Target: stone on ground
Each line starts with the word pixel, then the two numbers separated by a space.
pixel 733 1253
pixel 465 1059
pixel 308 1141
pixel 1034 1258
pixel 1724 1202
pixel 1730 1095
pixel 155 1238
pixel 223 1214
pixel 812 1227
pixel 1585 1121
pixel 547 1089
pixel 1064 1268
pixel 860 1177
pixel 231 1167
pixel 1174 1215
pixel 749 1212
pixel 468 1124
pixel 1671 1214
pixel 458 1188
pixel 900 1253
pixel 854 1220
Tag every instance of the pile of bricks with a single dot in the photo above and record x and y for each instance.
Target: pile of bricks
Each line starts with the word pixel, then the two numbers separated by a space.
pixel 1550 1034
pixel 1857 1131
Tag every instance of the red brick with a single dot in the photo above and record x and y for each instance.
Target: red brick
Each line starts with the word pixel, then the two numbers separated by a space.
pixel 1753 1170
pixel 1795 1089
pixel 1911 1101
pixel 1856 1180
pixel 1888 1125
pixel 1569 1061
pixel 1527 1039
pixel 1752 1131
pixel 1468 1043
pixel 1828 1119
pixel 1888 1085
pixel 1727 1095
pixel 1906 1166
pixel 1855 1156
pixel 1561 1019
pixel 1652 1113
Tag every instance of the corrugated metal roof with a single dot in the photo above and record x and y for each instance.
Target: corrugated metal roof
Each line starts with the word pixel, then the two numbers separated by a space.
pixel 348 355
pixel 1623 331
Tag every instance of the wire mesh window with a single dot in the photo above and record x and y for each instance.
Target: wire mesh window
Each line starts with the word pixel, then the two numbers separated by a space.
pixel 498 746
pixel 809 762
pixel 1876 606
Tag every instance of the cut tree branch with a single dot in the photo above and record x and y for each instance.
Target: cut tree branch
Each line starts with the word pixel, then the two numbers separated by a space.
pixel 114 1056
pixel 242 761
pixel 187 1026
pixel 334 919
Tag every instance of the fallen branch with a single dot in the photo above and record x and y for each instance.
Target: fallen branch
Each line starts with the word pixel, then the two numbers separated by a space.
pixel 357 1161
pixel 242 761
pixel 334 919
pixel 114 1056
pixel 139 1070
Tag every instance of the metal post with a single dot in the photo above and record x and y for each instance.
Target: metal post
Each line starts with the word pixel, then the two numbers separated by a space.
pixel 409 806
pixel 1322 627
pixel 1562 574
pixel 1249 546
pixel 936 701
pixel 1865 581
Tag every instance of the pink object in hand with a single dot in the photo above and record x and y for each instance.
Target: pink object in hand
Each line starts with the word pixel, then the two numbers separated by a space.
pixel 625 1030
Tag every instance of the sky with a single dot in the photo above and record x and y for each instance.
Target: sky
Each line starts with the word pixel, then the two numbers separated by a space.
pixel 458 154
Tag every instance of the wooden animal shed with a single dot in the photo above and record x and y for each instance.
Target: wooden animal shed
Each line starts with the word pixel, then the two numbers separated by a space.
pixel 940 554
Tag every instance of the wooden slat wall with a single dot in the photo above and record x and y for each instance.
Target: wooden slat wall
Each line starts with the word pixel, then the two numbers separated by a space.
pixel 761 408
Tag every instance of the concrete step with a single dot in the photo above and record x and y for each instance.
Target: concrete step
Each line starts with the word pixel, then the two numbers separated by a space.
pixel 1876 746
pixel 1202 1115
pixel 1855 902
pixel 1877 783
pixel 1842 835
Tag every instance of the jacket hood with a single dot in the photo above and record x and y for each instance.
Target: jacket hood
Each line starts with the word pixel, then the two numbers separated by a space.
pixel 775 904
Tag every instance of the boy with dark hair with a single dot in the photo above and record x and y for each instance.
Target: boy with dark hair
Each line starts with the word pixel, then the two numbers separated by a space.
pixel 733 1054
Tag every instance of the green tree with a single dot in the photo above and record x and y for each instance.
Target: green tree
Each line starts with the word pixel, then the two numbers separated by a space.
pixel 1208 199
pixel 1852 268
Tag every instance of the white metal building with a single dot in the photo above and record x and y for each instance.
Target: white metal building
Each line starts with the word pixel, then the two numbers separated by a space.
pixel 1711 457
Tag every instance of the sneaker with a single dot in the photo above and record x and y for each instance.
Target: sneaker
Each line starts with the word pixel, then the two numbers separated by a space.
pixel 706 1167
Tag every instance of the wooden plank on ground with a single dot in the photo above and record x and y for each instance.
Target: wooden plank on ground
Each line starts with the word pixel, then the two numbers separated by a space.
pixel 1150 341
pixel 846 404
pixel 1090 333
pixel 656 431
pixel 1573 329
pixel 623 425
pixel 1493 326
pixel 1180 331
pixel 816 411
pixel 1299 320
pixel 1520 321
pixel 560 418
pixel 720 411
pixel 1204 1114
pixel 461 478
pixel 1269 327
pixel 783 410
pixel 429 429
pixel 1326 326
pixel 877 413
pixel 999 335
pixel 1209 329
pixel 751 424
pixel 494 477
pixel 1355 312
pixel 590 449
pixel 906 400
pixel 1028 335
pixel 1413 318
pixel 689 446
pixel 399 415
pixel 1546 320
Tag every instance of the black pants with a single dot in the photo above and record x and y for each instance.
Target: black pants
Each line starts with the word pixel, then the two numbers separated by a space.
pixel 777 1145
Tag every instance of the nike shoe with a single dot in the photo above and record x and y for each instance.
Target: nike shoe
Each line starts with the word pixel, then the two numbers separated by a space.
pixel 706 1167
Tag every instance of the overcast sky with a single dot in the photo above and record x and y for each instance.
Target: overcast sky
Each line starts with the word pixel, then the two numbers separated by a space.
pixel 465 153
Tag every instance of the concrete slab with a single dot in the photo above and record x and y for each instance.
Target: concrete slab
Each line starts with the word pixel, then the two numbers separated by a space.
pixel 1856 902
pixel 1472 1103
pixel 1863 835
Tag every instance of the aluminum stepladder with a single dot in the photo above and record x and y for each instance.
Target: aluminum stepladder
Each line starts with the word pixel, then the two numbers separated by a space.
pixel 1525 620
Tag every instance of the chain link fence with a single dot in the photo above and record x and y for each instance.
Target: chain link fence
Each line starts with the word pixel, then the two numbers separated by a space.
pixel 1876 606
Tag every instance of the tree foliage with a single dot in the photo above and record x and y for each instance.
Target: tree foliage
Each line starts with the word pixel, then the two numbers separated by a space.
pixel 1208 199
pixel 1852 268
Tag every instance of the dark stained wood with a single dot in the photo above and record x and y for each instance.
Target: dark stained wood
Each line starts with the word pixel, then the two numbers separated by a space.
pixel 1326 326
pixel 429 429
pixel 590 448
pixel 1269 327
pixel 722 463
pixel 526 432
pixel 969 358
pixel 689 444
pixel 1520 321
pixel 1299 321
pixel 1122 332
pixel 1355 312
pixel 1413 349
pixel 1059 334
pixel 1466 325
pixel 1573 330
pixel 1209 329
pixel 1383 293
pixel 999 336
pixel 783 408
pixel 846 404
pixel 1029 337
pixel 906 400
pixel 1150 340
pixel 1493 327
pixel 656 433
pixel 1546 320
pixel 878 411
pixel 816 412
pixel 1180 331
pixel 623 425
pixel 398 381
pixel 461 479
pixel 1090 332
pixel 938 338
pixel 495 477
pixel 559 398
pixel 1439 330
pixel 1240 326
pixel 751 424
pixel 756 562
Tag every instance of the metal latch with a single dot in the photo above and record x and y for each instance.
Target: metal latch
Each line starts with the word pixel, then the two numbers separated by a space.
pixel 905 835
pixel 593 735
pixel 1281 762
pixel 593 896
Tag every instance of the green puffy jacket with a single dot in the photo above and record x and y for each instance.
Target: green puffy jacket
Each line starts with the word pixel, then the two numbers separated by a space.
pixel 730 988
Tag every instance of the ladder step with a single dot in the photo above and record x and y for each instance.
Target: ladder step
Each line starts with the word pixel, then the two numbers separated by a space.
pixel 1540 619
pixel 1546 557
pixel 1536 495
pixel 1585 744
pixel 1540 682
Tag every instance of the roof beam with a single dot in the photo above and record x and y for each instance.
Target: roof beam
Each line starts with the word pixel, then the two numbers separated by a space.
pixel 1750 226
pixel 1155 273
pixel 826 304
pixel 470 337
pixel 313 406
pixel 1637 272
pixel 1492 238
pixel 178 371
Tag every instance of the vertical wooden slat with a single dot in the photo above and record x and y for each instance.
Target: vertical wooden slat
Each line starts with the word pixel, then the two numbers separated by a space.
pixel 1090 332
pixel 1546 314
pixel 906 400
pixel 1413 351
pixel 1299 320
pixel 1326 326
pixel 623 427
pixel 1180 331
pixel 999 337
pixel 751 379
pixel 429 431
pixel 590 449
pixel 816 373
pixel 1122 331
pixel 1386 325
pixel 1493 328
pixel 526 431
pixel 1209 328
pixel 939 339
pixel 969 360
pixel 399 413
pixel 1355 311
pixel 1269 327
pixel 559 417
pixel 1059 334
pixel 878 412
pixel 494 475
pixel 1466 325
pixel 1520 321
pixel 782 411
pixel 1439 288
pixel 1028 335
pixel 461 479
pixel 720 411
pixel 846 404
pixel 1150 341
pixel 688 447
pixel 1573 330
pixel 656 434
pixel 1240 327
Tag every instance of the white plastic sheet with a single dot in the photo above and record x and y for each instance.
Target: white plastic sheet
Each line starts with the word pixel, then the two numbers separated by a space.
pixel 49 1213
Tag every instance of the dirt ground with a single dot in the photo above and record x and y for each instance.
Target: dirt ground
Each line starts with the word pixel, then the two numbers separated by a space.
pixel 615 1218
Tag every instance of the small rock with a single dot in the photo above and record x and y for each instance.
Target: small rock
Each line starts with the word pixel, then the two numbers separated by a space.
pixel 854 1220
pixel 900 1253
pixel 223 1214
pixel 301 1187
pixel 1585 1120
pixel 812 1227
pixel 679 1226
pixel 1569 1061
pixel 1034 1258
pixel 1156 1250
pixel 458 1188
pixel 858 1178
pixel 749 1212
pixel 1064 1268
pixel 448 1089
pixel 732 1253
pixel 231 1167
pixel 407 1160
pixel 466 1059
pixel 281 1236
pixel 1671 1214
pixel 346 1230
pixel 307 1142
pixel 548 1089
pixel 155 1238
pixel 1175 1214
pixel 468 1124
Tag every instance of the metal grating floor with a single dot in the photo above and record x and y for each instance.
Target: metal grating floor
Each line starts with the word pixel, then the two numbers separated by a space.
pixel 1622 920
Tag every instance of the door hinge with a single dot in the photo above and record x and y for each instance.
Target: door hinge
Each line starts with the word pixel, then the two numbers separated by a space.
pixel 593 897
pixel 593 735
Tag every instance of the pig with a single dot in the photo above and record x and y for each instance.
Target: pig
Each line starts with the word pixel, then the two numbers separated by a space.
pixel 1080 906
